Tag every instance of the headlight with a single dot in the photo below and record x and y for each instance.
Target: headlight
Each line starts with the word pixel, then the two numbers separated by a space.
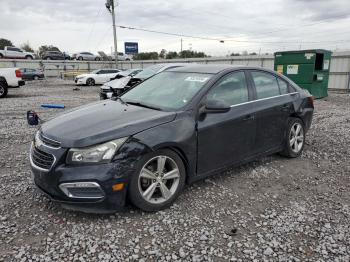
pixel 102 153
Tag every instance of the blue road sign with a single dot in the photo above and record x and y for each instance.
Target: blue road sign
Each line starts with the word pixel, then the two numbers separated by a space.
pixel 131 48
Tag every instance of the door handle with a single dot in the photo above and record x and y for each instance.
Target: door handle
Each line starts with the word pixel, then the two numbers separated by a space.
pixel 285 107
pixel 248 117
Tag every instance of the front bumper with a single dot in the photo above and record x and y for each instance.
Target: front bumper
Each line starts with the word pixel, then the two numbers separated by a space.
pixel 104 175
pixel 80 81
pixel 105 94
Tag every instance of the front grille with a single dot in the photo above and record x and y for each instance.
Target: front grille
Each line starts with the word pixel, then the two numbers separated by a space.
pixel 49 142
pixel 42 159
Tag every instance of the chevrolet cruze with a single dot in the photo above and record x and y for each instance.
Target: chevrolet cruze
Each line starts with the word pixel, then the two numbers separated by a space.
pixel 178 126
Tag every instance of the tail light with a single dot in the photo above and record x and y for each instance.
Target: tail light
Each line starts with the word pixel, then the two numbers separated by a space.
pixel 18 73
pixel 311 100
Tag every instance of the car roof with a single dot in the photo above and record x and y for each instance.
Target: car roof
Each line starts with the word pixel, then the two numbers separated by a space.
pixel 198 68
pixel 214 68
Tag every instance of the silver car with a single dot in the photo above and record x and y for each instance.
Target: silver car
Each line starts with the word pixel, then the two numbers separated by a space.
pixel 86 56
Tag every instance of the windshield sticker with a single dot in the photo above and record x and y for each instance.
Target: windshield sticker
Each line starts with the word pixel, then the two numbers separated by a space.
pixel 196 79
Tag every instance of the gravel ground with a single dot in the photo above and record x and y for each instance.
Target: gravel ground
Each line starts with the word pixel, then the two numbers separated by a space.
pixel 273 209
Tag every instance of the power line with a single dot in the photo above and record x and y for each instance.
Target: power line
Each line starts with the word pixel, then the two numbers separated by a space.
pixel 222 40
pixel 93 25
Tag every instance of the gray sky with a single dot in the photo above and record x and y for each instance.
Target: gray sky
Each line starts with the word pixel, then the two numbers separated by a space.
pixel 266 25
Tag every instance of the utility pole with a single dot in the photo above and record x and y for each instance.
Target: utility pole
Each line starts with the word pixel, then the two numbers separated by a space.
pixel 181 44
pixel 111 8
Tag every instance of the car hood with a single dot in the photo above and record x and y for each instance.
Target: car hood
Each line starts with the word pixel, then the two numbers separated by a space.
pixel 102 121
pixel 117 83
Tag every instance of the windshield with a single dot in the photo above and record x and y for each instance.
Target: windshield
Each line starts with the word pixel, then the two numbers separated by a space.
pixel 95 71
pixel 167 90
pixel 149 71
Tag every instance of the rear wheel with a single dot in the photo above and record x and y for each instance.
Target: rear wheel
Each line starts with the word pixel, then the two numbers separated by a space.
pixel 48 58
pixel 1 56
pixel 29 57
pixel 3 89
pixel 90 82
pixel 295 138
pixel 80 58
pixel 159 179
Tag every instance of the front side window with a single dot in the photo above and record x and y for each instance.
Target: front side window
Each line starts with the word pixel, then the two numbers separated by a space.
pixel 232 89
pixel 266 84
pixel 167 90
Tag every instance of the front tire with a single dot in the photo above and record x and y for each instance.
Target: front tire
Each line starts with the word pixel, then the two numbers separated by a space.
pixel 294 139
pixel 28 57
pixel 80 58
pixel 35 78
pixel 159 178
pixel 3 90
pixel 90 82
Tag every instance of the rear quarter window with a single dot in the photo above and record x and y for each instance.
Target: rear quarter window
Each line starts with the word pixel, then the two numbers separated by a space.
pixel 266 84
pixel 283 85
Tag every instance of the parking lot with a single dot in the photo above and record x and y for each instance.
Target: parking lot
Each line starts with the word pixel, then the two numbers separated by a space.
pixel 274 208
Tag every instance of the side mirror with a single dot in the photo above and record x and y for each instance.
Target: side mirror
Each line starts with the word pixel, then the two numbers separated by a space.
pixel 216 106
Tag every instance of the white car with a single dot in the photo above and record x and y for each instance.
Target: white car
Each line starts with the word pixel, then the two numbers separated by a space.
pixel 13 52
pixel 97 77
pixel 10 78
pixel 87 56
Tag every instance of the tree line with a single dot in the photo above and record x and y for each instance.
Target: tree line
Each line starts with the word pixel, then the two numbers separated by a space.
pixel 163 54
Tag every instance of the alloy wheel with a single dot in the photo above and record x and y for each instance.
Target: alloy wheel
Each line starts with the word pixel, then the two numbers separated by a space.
pixel 296 137
pixel 90 82
pixel 2 90
pixel 159 179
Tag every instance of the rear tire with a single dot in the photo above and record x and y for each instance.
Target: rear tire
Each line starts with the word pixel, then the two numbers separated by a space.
pixel 3 89
pixel 294 139
pixel 80 58
pixel 1 56
pixel 90 82
pixel 28 57
pixel 159 178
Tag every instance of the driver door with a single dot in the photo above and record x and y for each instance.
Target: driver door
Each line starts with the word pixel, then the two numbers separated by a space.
pixel 226 138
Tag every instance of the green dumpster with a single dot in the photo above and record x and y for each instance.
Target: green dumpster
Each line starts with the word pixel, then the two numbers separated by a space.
pixel 307 68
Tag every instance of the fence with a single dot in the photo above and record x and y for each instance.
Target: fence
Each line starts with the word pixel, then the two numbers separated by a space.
pixel 339 71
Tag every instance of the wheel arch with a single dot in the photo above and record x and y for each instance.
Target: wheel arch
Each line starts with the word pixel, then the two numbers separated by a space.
pixel 3 80
pixel 177 149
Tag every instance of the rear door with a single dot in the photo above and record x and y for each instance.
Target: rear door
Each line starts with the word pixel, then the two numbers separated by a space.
pixel 101 76
pixel 13 52
pixel 272 106
pixel 226 138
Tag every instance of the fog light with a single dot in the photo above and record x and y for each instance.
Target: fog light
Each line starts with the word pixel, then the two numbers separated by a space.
pixel 82 190
pixel 117 187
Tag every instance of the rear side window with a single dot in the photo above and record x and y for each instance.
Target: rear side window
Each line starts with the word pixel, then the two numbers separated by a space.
pixel 232 89
pixel 283 86
pixel 266 84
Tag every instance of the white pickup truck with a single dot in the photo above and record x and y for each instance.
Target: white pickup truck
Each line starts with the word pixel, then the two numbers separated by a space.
pixel 13 52
pixel 10 78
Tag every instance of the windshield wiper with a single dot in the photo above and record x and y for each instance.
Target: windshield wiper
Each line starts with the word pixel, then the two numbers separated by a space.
pixel 143 105
pixel 120 99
